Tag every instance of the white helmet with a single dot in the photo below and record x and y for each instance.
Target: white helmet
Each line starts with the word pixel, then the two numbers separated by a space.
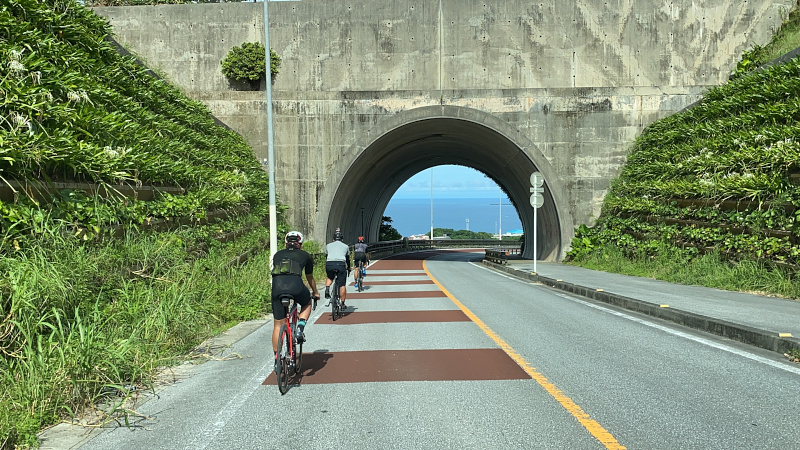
pixel 294 237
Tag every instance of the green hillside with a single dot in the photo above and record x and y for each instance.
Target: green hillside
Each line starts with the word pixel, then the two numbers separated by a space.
pixel 94 297
pixel 711 195
pixel 75 110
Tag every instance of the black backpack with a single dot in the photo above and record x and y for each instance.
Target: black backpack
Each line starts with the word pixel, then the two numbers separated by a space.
pixel 287 267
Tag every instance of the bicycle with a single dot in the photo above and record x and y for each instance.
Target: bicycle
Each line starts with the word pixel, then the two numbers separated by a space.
pixel 360 276
pixel 290 349
pixel 336 304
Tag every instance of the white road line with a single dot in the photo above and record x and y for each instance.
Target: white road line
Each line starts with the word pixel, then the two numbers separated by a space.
pixel 707 342
pixel 202 440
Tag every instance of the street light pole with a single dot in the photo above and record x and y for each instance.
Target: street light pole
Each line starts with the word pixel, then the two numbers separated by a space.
pixel 273 215
pixel 500 230
pixel 431 203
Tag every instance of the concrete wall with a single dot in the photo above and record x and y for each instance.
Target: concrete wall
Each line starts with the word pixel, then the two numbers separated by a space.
pixel 560 85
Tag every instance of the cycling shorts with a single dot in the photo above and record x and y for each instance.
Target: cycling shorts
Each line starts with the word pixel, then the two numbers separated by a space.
pixel 288 284
pixel 359 256
pixel 330 266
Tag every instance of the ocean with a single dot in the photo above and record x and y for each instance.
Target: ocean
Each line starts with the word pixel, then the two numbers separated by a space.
pixel 412 216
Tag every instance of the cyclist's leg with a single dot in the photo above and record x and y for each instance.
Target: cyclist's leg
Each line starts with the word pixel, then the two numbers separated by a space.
pixel 278 311
pixel 276 329
pixel 343 285
pixel 303 299
pixel 329 274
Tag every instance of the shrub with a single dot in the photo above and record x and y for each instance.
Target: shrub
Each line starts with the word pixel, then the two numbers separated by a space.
pixel 246 62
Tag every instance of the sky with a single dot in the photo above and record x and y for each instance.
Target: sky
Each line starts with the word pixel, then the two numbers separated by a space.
pixel 463 198
pixel 449 182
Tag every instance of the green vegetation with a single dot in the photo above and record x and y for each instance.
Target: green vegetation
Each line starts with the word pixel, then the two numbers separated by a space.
pixel 80 317
pixel 462 234
pixel 711 193
pixel 248 62
pixel 387 232
pixel 786 39
pixel 75 110
pixel 84 313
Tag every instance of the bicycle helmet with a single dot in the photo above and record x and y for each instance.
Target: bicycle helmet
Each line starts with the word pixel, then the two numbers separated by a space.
pixel 337 235
pixel 294 237
pixel 361 239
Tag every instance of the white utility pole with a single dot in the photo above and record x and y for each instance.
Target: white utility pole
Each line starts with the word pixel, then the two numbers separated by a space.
pixel 537 199
pixel 431 203
pixel 273 215
pixel 500 229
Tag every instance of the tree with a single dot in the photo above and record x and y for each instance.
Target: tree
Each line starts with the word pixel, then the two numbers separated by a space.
pixel 386 231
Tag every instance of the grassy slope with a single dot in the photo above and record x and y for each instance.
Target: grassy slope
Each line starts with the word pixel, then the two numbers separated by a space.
pixel 740 145
pixel 75 110
pixel 78 317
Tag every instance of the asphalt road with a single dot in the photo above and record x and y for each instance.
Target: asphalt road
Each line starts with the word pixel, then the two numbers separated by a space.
pixel 478 360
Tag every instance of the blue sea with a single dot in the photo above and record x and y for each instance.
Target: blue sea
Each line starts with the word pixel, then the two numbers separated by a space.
pixel 413 215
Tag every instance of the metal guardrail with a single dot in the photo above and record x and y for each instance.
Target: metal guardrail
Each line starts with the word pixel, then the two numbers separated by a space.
pixel 404 245
pixel 500 255
pixel 43 192
pixel 383 248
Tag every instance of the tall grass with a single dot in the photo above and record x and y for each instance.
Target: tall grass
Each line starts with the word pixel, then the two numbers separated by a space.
pixel 78 318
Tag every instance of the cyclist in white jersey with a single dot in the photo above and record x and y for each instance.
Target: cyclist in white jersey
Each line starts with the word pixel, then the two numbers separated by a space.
pixel 338 257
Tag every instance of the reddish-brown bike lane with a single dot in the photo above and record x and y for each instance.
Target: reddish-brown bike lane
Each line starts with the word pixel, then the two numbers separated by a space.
pixel 399 304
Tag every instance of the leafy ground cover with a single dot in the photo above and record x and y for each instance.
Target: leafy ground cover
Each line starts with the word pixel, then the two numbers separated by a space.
pixel 716 183
pixel 75 110
pixel 786 39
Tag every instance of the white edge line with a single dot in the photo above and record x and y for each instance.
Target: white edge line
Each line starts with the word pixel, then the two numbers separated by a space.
pixel 698 339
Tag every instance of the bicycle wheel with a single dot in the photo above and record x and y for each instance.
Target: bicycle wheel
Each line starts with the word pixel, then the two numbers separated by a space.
pixel 335 302
pixel 283 360
pixel 298 356
pixel 359 279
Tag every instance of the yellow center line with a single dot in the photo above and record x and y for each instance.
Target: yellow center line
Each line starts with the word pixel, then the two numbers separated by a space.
pixel 590 424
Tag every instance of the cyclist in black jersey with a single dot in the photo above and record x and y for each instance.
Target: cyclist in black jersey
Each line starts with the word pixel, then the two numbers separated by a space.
pixel 360 254
pixel 288 266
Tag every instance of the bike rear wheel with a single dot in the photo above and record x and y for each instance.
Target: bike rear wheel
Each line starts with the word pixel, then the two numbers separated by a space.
pixel 284 357
pixel 298 356
pixel 335 302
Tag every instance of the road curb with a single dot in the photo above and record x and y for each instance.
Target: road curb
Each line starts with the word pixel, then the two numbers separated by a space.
pixel 768 340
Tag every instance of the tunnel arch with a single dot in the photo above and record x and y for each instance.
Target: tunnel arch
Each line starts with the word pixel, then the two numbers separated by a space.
pixel 370 171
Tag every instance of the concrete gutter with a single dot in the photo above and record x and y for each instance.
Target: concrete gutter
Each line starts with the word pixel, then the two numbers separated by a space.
pixel 741 333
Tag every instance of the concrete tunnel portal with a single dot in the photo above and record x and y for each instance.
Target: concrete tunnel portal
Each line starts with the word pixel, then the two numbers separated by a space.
pixel 379 169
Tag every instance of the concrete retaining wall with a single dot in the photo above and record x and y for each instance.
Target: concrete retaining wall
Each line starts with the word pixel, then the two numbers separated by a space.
pixel 576 80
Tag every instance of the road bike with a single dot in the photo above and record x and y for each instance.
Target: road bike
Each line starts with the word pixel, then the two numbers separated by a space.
pixel 290 349
pixel 360 276
pixel 336 303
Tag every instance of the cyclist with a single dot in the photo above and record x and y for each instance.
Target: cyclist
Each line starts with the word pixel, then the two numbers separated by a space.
pixel 338 257
pixel 360 255
pixel 288 266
